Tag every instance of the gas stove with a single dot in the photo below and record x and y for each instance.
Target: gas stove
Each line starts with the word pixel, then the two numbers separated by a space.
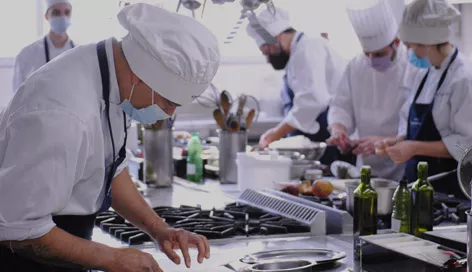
pixel 235 220
pixel 449 210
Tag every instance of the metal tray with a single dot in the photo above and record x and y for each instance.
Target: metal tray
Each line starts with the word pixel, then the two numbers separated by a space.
pixel 320 256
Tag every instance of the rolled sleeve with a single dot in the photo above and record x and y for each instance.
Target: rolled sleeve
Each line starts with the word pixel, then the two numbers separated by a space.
pixel 44 154
pixel 341 110
pixel 308 80
pixel 458 127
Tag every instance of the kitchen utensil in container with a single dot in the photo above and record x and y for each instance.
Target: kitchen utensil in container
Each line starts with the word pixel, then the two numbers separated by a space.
pixel 158 161
pixel 230 143
pixel 219 118
pixel 250 118
pixel 225 102
pixel 384 188
pixel 258 172
pixel 464 172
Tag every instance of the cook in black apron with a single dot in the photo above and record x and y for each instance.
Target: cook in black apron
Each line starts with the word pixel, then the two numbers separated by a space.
pixel 421 127
pixel 80 226
pixel 46 48
pixel 332 153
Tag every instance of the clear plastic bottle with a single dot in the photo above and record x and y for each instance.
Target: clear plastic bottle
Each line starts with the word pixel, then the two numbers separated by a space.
pixel 194 159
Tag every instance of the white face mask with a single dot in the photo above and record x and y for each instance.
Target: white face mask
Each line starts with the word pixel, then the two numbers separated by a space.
pixel 148 115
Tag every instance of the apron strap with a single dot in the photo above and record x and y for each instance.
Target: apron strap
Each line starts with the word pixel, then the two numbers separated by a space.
pixel 105 75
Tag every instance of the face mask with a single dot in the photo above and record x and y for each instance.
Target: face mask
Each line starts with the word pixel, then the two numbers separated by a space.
pixel 148 116
pixel 418 62
pixel 381 64
pixel 59 24
pixel 279 61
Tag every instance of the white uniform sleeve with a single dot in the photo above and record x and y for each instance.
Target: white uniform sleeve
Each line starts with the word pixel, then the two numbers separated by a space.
pixel 341 110
pixel 45 154
pixel 18 74
pixel 459 128
pixel 308 80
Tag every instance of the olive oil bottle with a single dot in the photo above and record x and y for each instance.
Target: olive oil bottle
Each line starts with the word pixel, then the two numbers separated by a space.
pixel 422 195
pixel 365 210
pixel 401 214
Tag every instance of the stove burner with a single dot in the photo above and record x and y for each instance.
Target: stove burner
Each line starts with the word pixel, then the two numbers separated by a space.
pixel 233 220
pixel 449 209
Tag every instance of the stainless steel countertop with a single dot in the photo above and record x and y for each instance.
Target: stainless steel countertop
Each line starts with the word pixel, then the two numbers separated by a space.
pixel 212 194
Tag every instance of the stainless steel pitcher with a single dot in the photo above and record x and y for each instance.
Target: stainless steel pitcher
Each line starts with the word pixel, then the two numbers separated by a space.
pixel 230 144
pixel 158 160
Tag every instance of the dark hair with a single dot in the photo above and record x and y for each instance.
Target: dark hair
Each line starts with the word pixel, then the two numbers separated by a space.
pixel 438 46
pixel 289 30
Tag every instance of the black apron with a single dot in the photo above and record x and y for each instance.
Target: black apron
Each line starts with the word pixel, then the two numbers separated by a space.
pixel 46 48
pixel 421 127
pixel 80 226
pixel 332 153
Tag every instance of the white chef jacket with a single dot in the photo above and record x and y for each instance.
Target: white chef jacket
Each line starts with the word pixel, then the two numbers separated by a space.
pixel 313 72
pixel 55 142
pixel 369 101
pixel 32 57
pixel 452 109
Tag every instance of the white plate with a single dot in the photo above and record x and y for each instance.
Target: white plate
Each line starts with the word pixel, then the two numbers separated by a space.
pixel 353 171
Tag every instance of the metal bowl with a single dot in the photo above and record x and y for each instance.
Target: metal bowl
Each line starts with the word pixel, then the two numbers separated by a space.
pixel 312 153
pixel 285 266
pixel 384 188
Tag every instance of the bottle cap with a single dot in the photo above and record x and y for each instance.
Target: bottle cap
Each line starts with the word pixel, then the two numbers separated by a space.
pixel 403 182
pixel 422 163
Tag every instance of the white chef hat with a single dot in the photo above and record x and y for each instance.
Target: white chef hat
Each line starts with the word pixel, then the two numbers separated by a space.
pixel 50 3
pixel 274 23
pixel 428 22
pixel 173 54
pixel 375 25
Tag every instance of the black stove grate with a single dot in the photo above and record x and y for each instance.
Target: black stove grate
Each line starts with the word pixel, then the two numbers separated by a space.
pixel 234 220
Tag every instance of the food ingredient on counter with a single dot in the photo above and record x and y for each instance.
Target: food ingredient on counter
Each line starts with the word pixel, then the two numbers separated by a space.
pixel 293 142
pixel 292 190
pixel 322 188
pixel 305 188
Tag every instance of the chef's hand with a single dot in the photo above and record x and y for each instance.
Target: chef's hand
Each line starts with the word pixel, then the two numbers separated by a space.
pixel 268 137
pixel 366 145
pixel 402 151
pixel 133 260
pixel 170 239
pixel 339 137
pixel 382 145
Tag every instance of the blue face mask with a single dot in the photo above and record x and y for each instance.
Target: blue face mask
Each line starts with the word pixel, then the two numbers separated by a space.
pixel 148 116
pixel 59 24
pixel 418 62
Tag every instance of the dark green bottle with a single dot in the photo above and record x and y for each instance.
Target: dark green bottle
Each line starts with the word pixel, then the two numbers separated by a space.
pixel 401 214
pixel 365 210
pixel 422 195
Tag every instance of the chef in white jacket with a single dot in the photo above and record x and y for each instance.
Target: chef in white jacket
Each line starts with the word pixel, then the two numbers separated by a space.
pixel 374 87
pixel 437 115
pixel 32 57
pixel 313 70
pixel 62 138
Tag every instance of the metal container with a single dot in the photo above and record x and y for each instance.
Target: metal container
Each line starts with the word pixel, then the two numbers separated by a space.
pixel 469 241
pixel 313 153
pixel 230 144
pixel 384 188
pixel 286 266
pixel 158 160
pixel 299 167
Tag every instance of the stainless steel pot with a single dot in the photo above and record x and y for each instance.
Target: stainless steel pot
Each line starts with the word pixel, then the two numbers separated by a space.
pixel 469 241
pixel 285 266
pixel 158 166
pixel 384 188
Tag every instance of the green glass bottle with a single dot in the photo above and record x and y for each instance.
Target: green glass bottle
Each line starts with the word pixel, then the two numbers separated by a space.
pixel 365 210
pixel 194 159
pixel 422 195
pixel 401 214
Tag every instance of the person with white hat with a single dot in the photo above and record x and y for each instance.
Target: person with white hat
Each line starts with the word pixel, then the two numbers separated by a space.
pixel 374 87
pixel 313 70
pixel 63 137
pixel 37 54
pixel 436 117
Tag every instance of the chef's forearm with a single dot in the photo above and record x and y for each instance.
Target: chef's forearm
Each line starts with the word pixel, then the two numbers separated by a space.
pixel 60 248
pixel 431 149
pixel 129 203
pixel 283 129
